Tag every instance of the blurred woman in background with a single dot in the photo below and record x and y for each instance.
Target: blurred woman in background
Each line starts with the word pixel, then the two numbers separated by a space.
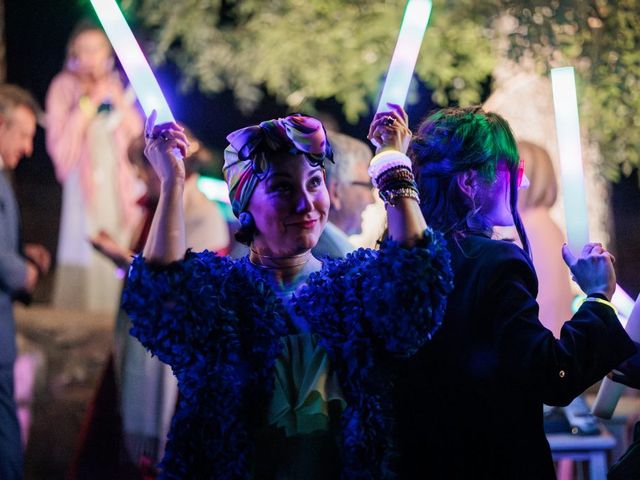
pixel 91 120
pixel 545 237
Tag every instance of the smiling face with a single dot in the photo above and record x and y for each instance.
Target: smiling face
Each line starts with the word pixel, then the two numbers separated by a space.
pixel 289 206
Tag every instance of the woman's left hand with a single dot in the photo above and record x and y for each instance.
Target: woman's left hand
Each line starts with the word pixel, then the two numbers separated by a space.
pixel 166 146
pixel 390 130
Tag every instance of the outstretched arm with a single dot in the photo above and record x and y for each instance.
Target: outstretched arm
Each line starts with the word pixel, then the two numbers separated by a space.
pixel 166 145
pixel 391 173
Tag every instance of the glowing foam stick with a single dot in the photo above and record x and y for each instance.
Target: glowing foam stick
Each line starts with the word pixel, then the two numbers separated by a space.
pixel 405 55
pixel 610 391
pixel 624 303
pixel 132 59
pixel 565 106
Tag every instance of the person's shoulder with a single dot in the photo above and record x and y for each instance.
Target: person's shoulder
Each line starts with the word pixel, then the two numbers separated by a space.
pixel 493 254
pixel 333 243
pixel 64 79
pixel 496 247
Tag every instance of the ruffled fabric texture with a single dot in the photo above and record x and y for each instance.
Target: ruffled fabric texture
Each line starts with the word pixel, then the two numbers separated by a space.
pixel 305 387
pixel 363 308
pixel 219 325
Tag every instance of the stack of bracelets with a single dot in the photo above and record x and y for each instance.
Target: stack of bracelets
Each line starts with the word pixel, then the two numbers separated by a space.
pixel 391 174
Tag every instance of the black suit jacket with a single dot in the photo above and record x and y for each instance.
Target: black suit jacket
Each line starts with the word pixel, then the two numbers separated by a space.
pixel 469 405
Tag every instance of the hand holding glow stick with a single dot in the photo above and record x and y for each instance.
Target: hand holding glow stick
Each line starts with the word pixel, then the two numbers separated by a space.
pixel 565 106
pixel 568 130
pixel 414 24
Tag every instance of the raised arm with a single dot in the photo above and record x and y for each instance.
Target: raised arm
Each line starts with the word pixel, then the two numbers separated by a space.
pixel 390 171
pixel 166 145
pixel 590 344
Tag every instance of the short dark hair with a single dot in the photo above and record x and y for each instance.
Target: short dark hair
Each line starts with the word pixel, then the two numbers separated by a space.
pixel 12 96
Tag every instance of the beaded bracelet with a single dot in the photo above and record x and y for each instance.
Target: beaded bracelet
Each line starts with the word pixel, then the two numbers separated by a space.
pixel 395 185
pixel 395 175
pixel 385 161
pixel 391 197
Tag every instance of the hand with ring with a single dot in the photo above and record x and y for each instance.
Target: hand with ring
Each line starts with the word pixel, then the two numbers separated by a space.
pixel 390 130
pixel 166 146
pixel 154 136
pixel 388 121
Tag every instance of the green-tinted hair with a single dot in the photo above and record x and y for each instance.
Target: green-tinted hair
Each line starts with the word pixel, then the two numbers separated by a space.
pixel 453 141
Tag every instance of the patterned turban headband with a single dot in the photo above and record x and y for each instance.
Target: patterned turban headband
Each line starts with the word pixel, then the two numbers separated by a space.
pixel 244 163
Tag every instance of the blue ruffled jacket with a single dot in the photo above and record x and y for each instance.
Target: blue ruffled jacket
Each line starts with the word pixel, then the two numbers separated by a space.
pixel 217 322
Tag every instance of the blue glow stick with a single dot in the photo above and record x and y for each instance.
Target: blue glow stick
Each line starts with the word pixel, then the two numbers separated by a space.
pixel 133 60
pixel 414 24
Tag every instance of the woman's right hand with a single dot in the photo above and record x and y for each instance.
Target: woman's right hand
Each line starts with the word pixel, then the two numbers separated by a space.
pixel 593 270
pixel 166 146
pixel 390 130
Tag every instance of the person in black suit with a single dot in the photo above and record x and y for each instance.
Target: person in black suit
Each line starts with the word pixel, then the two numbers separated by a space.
pixel 470 403
pixel 19 268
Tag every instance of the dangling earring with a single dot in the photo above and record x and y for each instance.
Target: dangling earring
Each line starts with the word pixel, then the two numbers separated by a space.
pixel 247 229
pixel 246 220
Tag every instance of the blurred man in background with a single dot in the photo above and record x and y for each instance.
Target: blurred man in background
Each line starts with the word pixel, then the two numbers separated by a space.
pixel 350 191
pixel 20 267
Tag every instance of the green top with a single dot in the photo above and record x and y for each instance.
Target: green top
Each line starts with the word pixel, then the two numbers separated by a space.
pixel 301 440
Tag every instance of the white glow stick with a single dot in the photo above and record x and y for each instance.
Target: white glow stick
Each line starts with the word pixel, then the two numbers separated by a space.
pixel 132 59
pixel 565 106
pixel 610 391
pixel 624 303
pixel 414 24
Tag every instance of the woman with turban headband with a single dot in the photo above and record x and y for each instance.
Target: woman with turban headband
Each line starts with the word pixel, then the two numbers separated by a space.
pixel 281 358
